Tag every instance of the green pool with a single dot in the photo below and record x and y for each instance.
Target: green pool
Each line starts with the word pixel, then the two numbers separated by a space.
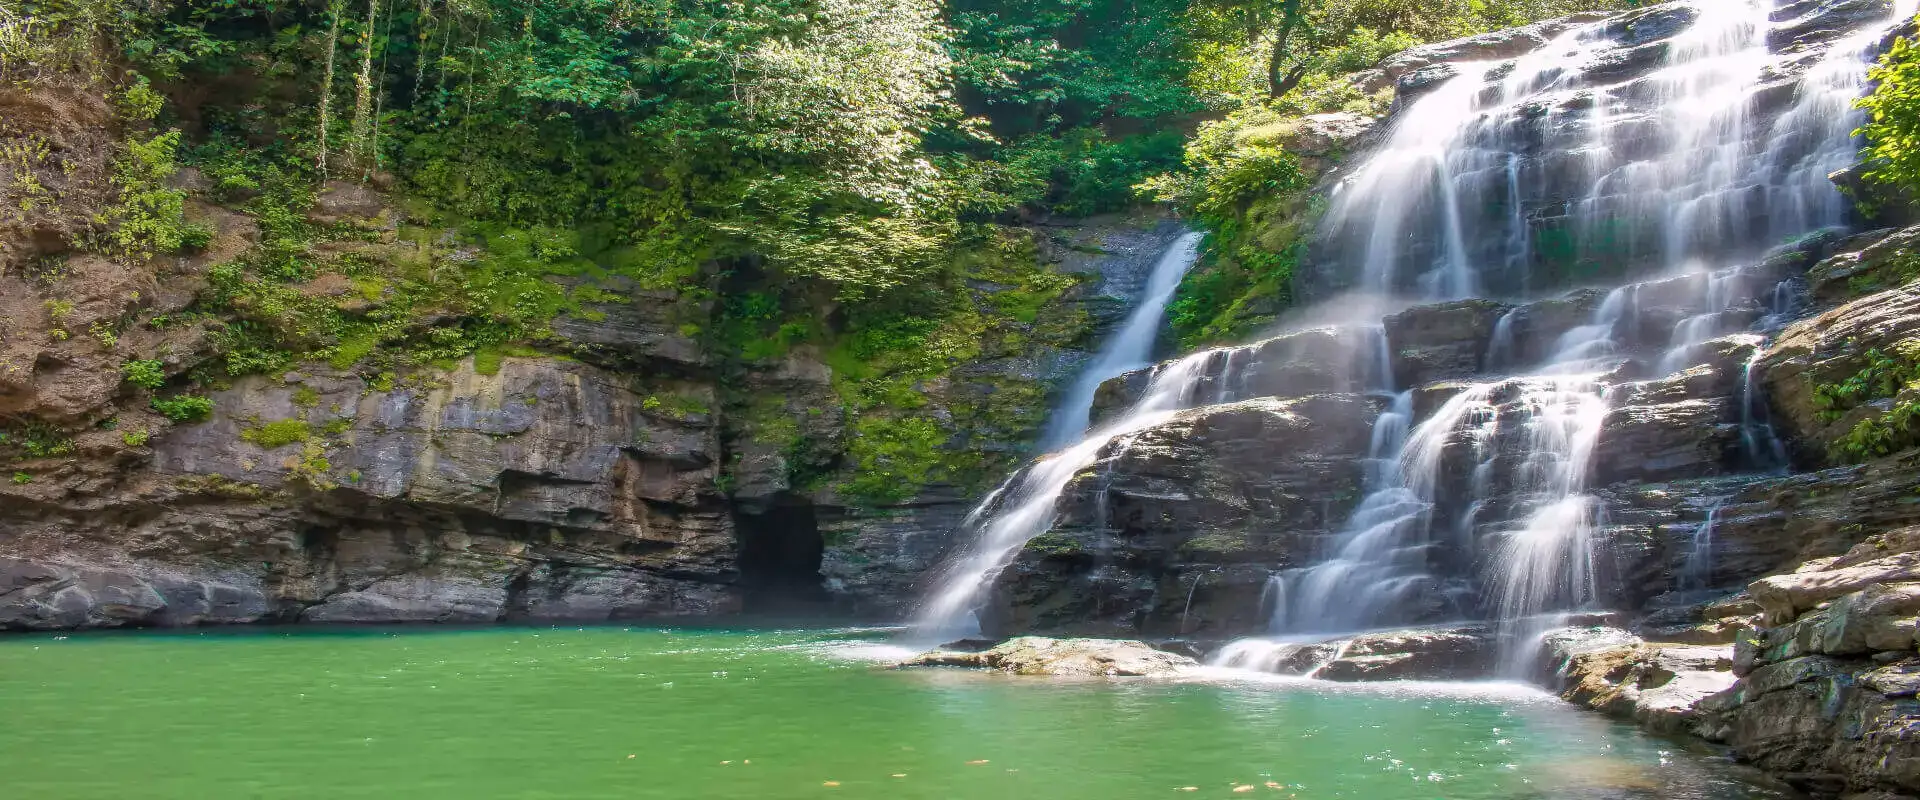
pixel 647 713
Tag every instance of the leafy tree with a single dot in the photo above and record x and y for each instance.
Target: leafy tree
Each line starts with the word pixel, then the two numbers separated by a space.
pixel 1893 125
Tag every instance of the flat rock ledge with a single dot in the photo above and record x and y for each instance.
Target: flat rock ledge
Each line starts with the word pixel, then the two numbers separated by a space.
pixel 1036 655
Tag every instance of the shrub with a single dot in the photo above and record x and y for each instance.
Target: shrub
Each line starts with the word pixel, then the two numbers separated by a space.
pixel 279 433
pixel 184 408
pixel 145 374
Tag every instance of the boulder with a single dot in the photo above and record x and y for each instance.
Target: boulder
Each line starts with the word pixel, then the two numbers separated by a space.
pixel 1463 653
pixel 1661 687
pixel 1033 655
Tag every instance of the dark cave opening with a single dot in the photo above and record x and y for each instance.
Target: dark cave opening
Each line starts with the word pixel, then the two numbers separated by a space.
pixel 779 561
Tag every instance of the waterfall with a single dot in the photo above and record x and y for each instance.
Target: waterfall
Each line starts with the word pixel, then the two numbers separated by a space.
pixel 1696 177
pixel 1698 570
pixel 1555 161
pixel 1023 507
pixel 1130 347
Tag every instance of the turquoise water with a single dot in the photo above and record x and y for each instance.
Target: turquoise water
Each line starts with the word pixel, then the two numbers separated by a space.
pixel 644 713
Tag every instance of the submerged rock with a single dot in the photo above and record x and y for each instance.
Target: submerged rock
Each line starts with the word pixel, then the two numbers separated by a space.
pixel 1035 655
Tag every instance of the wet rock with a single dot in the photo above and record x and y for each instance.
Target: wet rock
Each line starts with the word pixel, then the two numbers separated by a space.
pixel 1203 490
pixel 1491 46
pixel 1807 24
pixel 1441 342
pixel 1535 328
pixel 1872 261
pixel 340 201
pixel 1415 654
pixel 1688 438
pixel 1033 655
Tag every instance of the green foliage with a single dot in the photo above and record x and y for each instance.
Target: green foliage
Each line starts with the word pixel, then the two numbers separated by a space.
pixel 145 374
pixel 135 438
pixel 1883 376
pixel 278 433
pixel 1248 193
pixel 1893 126
pixel 37 440
pixel 22 478
pixel 183 408
pixel 892 459
pixel 675 405
pixel 150 217
pixel 1882 435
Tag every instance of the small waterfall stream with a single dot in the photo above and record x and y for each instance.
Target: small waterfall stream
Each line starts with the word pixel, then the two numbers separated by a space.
pixel 1022 507
pixel 1130 347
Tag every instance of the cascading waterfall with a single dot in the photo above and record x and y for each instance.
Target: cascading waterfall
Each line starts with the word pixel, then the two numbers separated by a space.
pixel 1549 162
pixel 1687 174
pixel 1814 138
pixel 1022 507
pixel 1130 347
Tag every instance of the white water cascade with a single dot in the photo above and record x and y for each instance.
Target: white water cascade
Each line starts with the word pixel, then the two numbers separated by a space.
pixel 1023 507
pixel 1671 147
pixel 1695 179
pixel 1130 347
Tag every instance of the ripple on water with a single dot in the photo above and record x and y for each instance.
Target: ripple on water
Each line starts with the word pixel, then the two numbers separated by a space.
pixel 767 713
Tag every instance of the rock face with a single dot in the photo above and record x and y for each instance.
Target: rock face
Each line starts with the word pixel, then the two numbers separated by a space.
pixel 1825 351
pixel 1162 535
pixel 1826 691
pixel 1659 686
pixel 1033 655
pixel 628 471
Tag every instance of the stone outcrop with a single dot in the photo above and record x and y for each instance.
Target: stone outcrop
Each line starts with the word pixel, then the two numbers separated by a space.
pixel 1819 689
pixel 1659 686
pixel 1826 350
pixel 1825 693
pixel 1429 654
pixel 1161 536
pixel 1034 655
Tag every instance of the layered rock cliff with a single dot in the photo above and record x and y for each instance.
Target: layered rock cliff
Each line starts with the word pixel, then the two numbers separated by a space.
pixel 633 464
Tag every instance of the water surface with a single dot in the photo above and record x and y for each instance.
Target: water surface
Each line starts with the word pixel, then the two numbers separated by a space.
pixel 644 713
